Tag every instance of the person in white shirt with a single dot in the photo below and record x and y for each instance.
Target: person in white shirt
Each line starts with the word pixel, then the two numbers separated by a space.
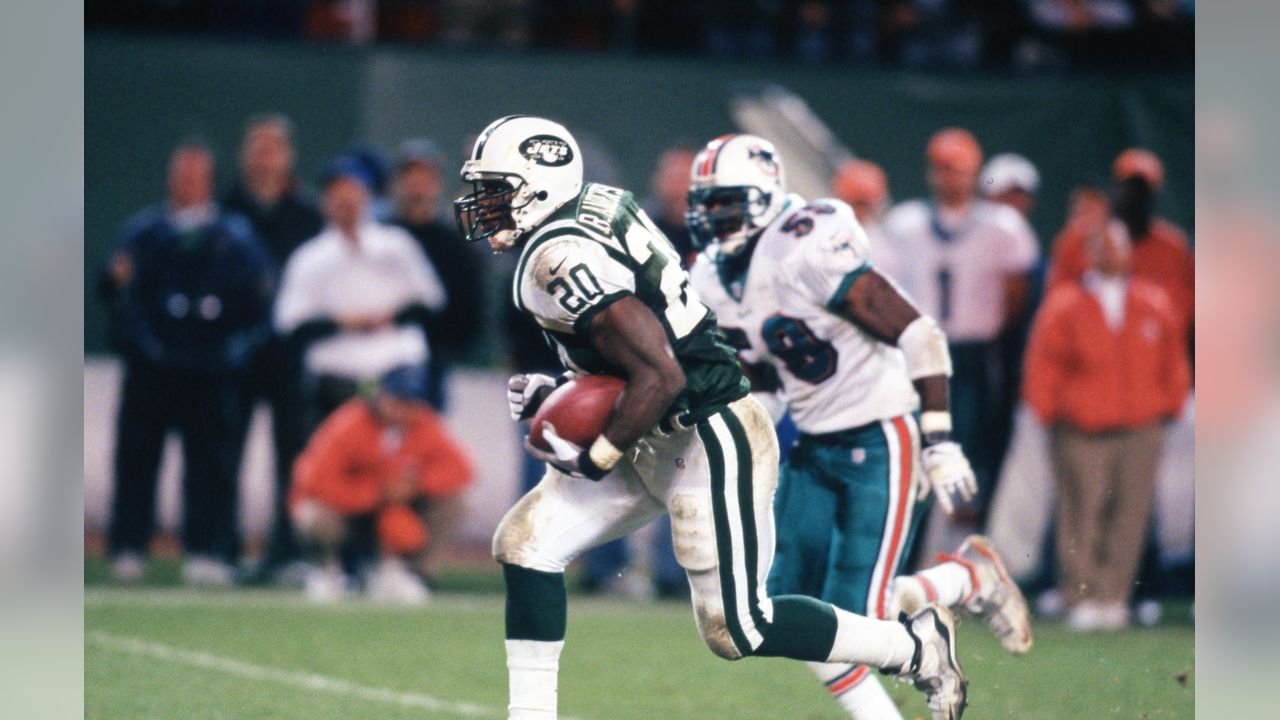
pixel 970 269
pixel 354 297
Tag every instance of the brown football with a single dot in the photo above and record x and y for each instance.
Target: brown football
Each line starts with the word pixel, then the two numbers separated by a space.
pixel 579 409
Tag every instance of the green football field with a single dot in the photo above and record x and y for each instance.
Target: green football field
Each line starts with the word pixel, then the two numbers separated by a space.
pixel 166 652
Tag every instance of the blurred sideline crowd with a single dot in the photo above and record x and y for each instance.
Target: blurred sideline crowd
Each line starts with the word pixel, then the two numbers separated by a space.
pixel 1023 34
pixel 345 308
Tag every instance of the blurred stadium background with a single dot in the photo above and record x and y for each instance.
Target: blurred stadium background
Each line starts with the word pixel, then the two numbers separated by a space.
pixel 630 78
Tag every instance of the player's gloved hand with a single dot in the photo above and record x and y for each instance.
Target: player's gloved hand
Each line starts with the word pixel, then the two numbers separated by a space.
pixel 948 473
pixel 526 392
pixel 567 457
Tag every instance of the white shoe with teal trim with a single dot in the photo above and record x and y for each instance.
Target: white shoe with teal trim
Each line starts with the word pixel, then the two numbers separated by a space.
pixel 935 669
pixel 997 598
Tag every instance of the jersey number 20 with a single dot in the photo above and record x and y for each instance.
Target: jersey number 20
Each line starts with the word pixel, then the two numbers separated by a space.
pixel 588 289
pixel 791 340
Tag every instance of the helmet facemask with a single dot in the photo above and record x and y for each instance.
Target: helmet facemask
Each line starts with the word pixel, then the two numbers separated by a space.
pixel 488 211
pixel 727 216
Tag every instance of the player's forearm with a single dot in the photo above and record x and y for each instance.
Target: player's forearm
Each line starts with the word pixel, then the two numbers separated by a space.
pixel 644 401
pixel 934 393
pixel 628 336
pixel 928 360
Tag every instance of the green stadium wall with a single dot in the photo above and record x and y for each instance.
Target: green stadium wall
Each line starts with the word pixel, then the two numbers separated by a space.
pixel 143 95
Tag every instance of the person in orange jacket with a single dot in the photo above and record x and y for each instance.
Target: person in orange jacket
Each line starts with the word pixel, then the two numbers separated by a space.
pixel 1161 253
pixel 368 475
pixel 1106 369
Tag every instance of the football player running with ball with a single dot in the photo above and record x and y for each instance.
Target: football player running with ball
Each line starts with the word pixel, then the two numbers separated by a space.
pixel 606 286
pixel 854 360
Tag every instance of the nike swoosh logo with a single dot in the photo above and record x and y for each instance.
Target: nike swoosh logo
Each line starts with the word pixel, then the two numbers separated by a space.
pixel 556 269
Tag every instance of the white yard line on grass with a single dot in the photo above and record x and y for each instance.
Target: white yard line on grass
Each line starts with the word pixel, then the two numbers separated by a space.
pixel 282 676
pixel 240 598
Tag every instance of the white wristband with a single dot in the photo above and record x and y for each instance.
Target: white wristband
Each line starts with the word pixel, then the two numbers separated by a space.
pixel 935 421
pixel 603 454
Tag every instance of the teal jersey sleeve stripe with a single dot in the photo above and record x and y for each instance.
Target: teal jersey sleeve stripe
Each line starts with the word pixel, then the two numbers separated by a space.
pixel 836 303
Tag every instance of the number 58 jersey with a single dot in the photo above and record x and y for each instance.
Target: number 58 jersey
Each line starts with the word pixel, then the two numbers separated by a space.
pixel 786 311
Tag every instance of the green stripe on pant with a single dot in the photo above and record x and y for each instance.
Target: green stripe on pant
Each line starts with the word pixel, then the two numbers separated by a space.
pixel 724 539
pixel 747 512
pixel 802 628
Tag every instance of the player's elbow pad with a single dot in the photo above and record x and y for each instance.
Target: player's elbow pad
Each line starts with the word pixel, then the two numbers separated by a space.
pixel 925 347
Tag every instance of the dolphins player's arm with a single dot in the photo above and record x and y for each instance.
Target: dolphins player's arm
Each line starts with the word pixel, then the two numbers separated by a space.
pixel 875 305
pixel 878 307
pixel 630 337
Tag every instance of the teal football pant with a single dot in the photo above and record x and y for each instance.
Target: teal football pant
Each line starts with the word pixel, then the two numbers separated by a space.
pixel 846 514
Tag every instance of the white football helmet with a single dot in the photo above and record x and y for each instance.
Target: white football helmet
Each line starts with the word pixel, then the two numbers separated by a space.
pixel 736 189
pixel 521 170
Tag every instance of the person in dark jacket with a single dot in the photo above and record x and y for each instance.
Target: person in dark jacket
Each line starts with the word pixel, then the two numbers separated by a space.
pixel 416 189
pixel 190 289
pixel 283 215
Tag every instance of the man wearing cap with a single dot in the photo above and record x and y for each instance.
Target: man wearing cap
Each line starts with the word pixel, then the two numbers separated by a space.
pixel 970 262
pixel 354 298
pixel 381 473
pixel 1161 252
pixel 416 189
pixel 1011 179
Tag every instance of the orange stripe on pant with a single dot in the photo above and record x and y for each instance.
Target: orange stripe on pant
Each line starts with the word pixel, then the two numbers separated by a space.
pixel 905 448
pixel 848 681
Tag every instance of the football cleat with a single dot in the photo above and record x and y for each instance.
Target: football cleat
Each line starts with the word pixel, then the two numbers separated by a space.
pixel 996 597
pixel 935 669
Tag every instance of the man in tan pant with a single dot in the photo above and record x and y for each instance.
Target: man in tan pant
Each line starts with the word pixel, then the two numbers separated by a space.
pixel 1106 483
pixel 1106 368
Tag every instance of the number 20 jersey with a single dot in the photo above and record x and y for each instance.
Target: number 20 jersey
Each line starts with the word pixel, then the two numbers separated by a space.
pixel 599 248
pixel 834 375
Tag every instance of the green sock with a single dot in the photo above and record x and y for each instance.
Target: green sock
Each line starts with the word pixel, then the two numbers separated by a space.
pixel 802 629
pixel 537 605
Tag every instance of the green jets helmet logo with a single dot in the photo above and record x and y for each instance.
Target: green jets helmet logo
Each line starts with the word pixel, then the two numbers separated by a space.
pixel 547 150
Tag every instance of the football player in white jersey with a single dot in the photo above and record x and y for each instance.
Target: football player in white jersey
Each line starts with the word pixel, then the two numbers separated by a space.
pixel 794 292
pixel 607 288
pixel 971 270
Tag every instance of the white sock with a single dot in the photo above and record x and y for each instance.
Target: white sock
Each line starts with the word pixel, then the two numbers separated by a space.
pixel 857 690
pixel 946 584
pixel 533 667
pixel 878 643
